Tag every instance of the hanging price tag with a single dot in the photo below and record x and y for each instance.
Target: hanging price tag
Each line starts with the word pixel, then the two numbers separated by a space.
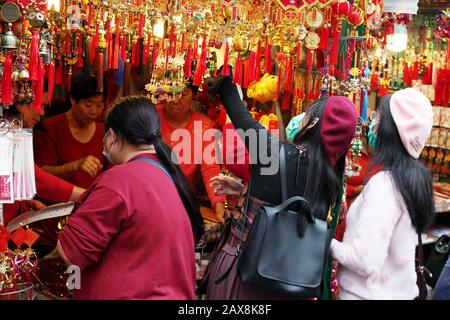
pixel 19 236
pixel 31 237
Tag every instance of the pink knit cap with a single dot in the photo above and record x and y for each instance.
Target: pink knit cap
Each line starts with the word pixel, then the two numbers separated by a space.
pixel 413 116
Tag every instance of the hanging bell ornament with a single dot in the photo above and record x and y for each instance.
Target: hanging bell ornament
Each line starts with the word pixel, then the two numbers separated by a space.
pixel 16 76
pixel 24 74
pixel 9 40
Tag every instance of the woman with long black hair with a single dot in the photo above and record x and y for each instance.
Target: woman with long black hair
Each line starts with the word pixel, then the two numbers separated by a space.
pixel 133 234
pixel 314 164
pixel 377 254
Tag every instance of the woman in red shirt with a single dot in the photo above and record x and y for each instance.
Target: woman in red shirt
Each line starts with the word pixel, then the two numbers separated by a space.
pixel 133 234
pixel 177 118
pixel 70 144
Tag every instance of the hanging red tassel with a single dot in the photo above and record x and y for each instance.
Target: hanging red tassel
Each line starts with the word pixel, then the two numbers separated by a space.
pixel 268 68
pixel 238 71
pixel 247 72
pixel 90 14
pixel 225 69
pixel 39 93
pixel 100 71
pixel 174 50
pixel 309 61
pixel 141 25
pixel 324 36
pixel 188 63
pixel 58 75
pixel 335 46
pixel 287 85
pixel 252 66
pixel 167 57
pixel 94 45
pixel 109 48
pixel 155 52
pixel 123 47
pixel 257 63
pixel 50 82
pixel 201 66
pixel 7 94
pixel 195 53
pixel 115 62
pixel 80 60
pixel 299 53
pixel 33 66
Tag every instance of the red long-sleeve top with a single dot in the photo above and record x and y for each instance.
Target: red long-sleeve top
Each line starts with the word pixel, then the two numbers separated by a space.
pixel 193 149
pixel 48 187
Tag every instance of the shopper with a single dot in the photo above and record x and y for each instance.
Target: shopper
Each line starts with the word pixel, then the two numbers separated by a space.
pixel 377 254
pixel 314 164
pixel 442 289
pixel 70 144
pixel 133 234
pixel 48 187
pixel 177 119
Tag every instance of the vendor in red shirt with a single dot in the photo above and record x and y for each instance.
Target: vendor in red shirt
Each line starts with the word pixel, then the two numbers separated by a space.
pixel 133 234
pixel 48 186
pixel 70 144
pixel 177 115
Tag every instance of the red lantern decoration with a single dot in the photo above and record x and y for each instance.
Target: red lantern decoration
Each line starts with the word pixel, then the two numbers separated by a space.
pixel 355 18
pixel 342 8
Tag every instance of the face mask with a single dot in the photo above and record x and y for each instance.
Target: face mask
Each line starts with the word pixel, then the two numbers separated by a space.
pixel 106 154
pixel 372 137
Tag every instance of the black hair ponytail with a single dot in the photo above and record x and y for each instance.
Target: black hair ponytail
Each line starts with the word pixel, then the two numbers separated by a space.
pixel 135 119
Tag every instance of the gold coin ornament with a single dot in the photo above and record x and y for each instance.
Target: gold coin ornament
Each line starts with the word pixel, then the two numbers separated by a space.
pixel 312 40
pixel 314 18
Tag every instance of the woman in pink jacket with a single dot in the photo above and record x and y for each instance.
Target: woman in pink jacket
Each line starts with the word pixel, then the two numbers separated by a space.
pixel 377 254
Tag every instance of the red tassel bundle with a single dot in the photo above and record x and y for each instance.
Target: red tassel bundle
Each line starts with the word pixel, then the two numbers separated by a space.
pixel 247 72
pixel 299 53
pixel 141 25
pixel 188 63
pixel 324 36
pixel 257 63
pixel 115 62
pixel 225 68
pixel 309 61
pixel 237 79
pixel 90 14
pixel 335 46
pixel 33 66
pixel 195 53
pixel 39 93
pixel 201 66
pixel 50 82
pixel 123 48
pixel 100 71
pixel 155 52
pixel 7 94
pixel 80 61
pixel 252 66
pixel 94 45
pixel 268 68
pixel 58 75
pixel 287 85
